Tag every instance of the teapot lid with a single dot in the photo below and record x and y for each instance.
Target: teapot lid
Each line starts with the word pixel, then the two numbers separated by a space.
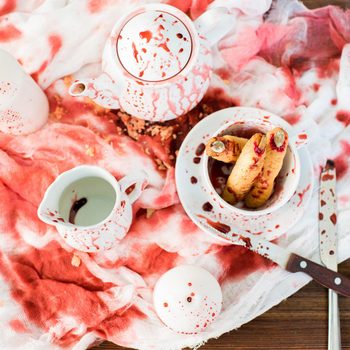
pixel 154 46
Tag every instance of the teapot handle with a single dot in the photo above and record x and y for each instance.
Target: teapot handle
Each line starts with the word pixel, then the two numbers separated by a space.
pixel 215 23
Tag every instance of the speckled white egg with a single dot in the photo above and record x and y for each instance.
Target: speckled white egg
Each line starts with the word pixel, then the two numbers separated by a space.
pixel 187 299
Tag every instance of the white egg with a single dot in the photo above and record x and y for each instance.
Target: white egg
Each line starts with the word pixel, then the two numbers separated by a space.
pixel 187 299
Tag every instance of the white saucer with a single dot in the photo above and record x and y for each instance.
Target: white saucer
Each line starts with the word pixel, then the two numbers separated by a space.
pixel 194 195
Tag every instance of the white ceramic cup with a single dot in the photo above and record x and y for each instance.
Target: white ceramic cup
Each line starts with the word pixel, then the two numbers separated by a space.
pixel 288 178
pixel 23 105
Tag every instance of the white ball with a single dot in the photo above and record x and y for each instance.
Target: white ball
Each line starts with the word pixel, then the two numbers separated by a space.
pixel 187 299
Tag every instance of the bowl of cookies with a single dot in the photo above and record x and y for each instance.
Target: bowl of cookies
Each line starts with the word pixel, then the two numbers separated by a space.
pixel 252 165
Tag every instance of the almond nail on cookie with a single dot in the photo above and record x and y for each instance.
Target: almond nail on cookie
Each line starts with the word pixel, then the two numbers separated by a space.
pixel 225 148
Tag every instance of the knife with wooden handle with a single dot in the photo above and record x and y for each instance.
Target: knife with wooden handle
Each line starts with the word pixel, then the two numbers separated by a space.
pixel 328 246
pixel 288 260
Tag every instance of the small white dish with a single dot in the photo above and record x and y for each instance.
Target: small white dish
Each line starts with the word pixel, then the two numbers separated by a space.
pixel 206 208
pixel 187 299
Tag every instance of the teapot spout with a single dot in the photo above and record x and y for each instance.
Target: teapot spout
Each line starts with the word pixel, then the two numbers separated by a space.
pixel 102 90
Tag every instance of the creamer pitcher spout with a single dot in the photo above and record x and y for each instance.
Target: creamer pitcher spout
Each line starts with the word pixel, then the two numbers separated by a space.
pixel 102 90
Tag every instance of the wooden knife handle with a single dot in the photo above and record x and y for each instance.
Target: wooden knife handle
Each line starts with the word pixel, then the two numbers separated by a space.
pixel 320 274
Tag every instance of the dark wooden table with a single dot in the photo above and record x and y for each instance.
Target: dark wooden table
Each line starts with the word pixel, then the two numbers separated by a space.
pixel 300 322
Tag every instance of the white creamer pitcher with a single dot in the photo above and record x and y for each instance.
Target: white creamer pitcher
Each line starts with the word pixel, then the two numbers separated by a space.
pixel 157 62
pixel 90 208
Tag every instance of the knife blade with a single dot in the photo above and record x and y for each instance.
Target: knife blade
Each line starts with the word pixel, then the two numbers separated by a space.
pixel 289 261
pixel 328 217
pixel 328 246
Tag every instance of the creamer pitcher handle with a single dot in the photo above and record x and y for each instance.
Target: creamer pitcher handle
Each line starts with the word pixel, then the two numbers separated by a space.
pixel 138 180
pixel 215 23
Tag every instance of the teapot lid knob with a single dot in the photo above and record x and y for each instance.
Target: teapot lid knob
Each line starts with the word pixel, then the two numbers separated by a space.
pixel 154 46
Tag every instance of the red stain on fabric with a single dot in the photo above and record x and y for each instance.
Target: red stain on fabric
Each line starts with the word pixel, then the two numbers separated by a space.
pixel 36 75
pixel 111 326
pixel 154 260
pixel 291 89
pixel 238 262
pixel 18 326
pixel 194 7
pixel 292 119
pixel 224 73
pixel 96 5
pixel 46 285
pixel 7 7
pixel 55 43
pixel 342 161
pixel 343 117
pixel 9 32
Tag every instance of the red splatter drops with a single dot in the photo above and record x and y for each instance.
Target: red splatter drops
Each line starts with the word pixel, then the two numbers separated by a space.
pixel 301 195
pixel 334 101
pixel 146 35
pixel 327 177
pixel 277 226
pixel 246 241
pixel 189 284
pixel 165 304
pixel 135 52
pixel 217 225
pixel 343 117
pixel 323 203
pixel 9 32
pixel 7 7
pixel 237 262
pixel 320 216
pixel 315 87
pixel 164 46
pixel 333 218
pixel 302 136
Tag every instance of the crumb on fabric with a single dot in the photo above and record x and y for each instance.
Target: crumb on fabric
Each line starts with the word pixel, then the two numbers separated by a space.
pixel 149 212
pixel 76 261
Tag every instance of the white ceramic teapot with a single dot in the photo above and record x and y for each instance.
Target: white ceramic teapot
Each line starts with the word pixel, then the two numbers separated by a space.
pixel 157 62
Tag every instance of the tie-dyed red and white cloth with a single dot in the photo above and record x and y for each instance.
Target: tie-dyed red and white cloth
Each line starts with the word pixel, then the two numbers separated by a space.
pixel 285 59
